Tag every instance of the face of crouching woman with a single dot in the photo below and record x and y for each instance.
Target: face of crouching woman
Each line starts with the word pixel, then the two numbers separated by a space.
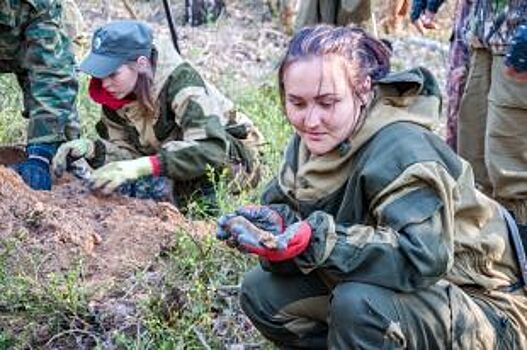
pixel 122 62
pixel 132 79
pixel 326 83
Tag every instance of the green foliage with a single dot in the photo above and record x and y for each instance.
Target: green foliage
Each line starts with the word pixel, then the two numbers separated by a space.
pixel 263 105
pixel 89 111
pixel 186 309
pixel 13 125
pixel 38 310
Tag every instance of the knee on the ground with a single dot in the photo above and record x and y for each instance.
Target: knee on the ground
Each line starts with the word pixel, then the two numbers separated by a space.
pixel 252 293
pixel 354 304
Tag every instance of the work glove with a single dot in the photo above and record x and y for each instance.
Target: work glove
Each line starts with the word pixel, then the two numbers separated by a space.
pixel 242 234
pixel 261 216
pixel 516 56
pixel 35 170
pixel 71 151
pixel 109 177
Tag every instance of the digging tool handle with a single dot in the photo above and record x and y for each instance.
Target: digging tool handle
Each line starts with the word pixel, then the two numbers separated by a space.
pixel 171 25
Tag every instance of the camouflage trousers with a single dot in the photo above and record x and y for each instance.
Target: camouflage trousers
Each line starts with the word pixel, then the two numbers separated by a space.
pixel 301 312
pixel 46 127
pixel 492 131
pixel 340 13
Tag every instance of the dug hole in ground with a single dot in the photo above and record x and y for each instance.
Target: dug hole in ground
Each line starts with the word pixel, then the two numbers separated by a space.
pixel 111 237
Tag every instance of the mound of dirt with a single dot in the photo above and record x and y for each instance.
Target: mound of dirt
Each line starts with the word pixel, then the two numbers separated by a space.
pixel 112 235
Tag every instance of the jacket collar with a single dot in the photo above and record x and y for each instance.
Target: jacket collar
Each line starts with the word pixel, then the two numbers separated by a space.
pixel 410 96
pixel 101 96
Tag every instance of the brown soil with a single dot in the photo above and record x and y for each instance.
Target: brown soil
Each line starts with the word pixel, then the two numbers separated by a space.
pixel 114 236
pixel 12 154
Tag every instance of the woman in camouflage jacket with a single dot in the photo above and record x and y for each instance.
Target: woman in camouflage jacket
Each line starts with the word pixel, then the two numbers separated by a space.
pixel 373 235
pixel 164 129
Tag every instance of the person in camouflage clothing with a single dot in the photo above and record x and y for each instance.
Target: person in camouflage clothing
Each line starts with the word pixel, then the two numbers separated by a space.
pixel 340 12
pixel 458 65
pixel 492 125
pixel 373 235
pixel 34 47
pixel 164 130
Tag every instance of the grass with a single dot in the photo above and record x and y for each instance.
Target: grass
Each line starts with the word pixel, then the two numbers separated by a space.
pixel 12 125
pixel 186 299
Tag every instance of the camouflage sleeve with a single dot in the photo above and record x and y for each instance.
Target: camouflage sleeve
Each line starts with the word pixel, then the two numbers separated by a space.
pixel 204 140
pixel 115 141
pixel 407 247
pixel 51 79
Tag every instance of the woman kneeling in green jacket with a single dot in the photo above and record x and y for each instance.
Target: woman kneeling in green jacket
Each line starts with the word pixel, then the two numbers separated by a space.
pixel 163 127
pixel 373 235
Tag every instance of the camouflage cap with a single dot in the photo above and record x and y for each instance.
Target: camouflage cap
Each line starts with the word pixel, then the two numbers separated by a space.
pixel 115 44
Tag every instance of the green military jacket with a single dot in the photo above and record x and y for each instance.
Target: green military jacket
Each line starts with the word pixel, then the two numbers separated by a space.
pixel 194 128
pixel 34 47
pixel 395 207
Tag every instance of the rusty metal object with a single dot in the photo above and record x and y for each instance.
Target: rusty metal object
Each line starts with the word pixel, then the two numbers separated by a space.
pixel 12 154
pixel 267 239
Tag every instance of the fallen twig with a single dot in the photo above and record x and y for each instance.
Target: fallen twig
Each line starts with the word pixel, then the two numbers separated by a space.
pixel 201 338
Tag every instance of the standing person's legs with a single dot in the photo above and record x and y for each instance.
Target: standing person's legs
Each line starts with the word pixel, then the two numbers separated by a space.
pixel 290 310
pixel 356 12
pixel 364 316
pixel 328 11
pixel 473 115
pixel 308 14
pixel 506 147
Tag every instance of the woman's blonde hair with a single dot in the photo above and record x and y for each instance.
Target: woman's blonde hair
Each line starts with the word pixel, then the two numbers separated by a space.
pixel 363 55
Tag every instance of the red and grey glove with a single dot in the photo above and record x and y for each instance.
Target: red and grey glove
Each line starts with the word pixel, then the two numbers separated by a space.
pixel 241 233
pixel 263 217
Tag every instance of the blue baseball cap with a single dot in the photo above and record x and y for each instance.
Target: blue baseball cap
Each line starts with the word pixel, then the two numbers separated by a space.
pixel 516 56
pixel 115 44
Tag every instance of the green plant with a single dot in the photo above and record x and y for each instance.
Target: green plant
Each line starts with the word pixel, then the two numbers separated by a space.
pixel 36 309
pixel 12 125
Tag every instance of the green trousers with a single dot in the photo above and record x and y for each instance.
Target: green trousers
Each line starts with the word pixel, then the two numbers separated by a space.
pixel 301 312
pixel 337 12
pixel 492 131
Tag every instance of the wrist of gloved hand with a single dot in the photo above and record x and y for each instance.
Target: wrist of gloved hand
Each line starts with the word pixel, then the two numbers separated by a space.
pixel 71 151
pixel 239 232
pixel 109 177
